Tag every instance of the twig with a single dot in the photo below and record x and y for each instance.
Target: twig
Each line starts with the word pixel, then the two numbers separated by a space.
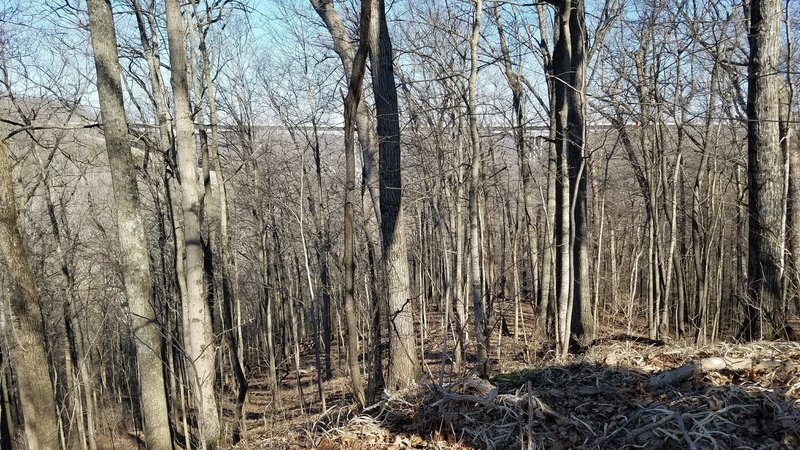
pixel 47 127
pixel 631 438
pixel 679 419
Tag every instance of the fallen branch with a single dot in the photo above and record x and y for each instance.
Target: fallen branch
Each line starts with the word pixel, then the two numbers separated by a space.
pixel 454 396
pixel 690 369
pixel 628 338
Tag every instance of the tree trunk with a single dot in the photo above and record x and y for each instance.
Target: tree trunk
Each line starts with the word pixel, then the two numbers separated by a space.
pixel 528 208
pixel 365 127
pixel 563 222
pixel 351 102
pixel 198 331
pixel 791 151
pixel 77 360
pixel 460 275
pixel 766 310
pixel 476 292
pixel 230 300
pixel 7 431
pixel 131 234
pixel 28 356
pixel 365 124
pixel 582 321
pixel 265 264
pixel 546 300
pixel 403 364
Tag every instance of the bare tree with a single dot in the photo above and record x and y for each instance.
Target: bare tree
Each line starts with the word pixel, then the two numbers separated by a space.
pixel 198 331
pixel 766 315
pixel 403 363
pixel 569 71
pixel 365 128
pixel 29 355
pixel 515 81
pixel 231 306
pixel 351 104
pixel 475 191
pixel 133 245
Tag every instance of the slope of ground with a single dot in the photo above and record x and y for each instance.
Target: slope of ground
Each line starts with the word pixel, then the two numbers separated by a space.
pixel 609 397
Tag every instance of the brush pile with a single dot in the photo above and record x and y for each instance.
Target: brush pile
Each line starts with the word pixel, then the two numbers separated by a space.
pixel 620 395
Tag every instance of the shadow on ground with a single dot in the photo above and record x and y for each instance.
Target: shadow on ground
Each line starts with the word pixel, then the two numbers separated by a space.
pixel 590 405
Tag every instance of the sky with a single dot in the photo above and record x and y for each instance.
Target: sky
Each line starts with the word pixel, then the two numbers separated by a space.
pixel 280 52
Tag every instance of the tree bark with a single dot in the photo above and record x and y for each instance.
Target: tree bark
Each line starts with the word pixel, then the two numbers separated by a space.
pixel 476 292
pixel 546 301
pixel 561 78
pixel 403 364
pixel 7 431
pixel 790 151
pixel 766 310
pixel 351 104
pixel 230 300
pixel 569 69
pixel 28 356
pixel 198 330
pixel 582 321
pixel 460 244
pixel 132 241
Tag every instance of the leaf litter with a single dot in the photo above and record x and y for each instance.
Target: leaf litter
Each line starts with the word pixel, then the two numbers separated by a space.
pixel 603 399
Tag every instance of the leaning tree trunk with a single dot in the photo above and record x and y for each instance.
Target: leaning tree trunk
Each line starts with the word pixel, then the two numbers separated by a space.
pixel 28 356
pixel 365 128
pixel 766 310
pixel 131 235
pixel 365 125
pixel 198 330
pixel 403 364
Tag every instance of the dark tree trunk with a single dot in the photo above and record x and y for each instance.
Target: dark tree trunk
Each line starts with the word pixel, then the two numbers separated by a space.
pixel 569 90
pixel 403 364
pixel 351 102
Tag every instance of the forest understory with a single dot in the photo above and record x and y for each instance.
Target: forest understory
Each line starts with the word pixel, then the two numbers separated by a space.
pixel 340 224
pixel 622 391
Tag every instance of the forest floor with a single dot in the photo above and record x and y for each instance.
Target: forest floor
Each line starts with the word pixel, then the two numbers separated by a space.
pixel 620 393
